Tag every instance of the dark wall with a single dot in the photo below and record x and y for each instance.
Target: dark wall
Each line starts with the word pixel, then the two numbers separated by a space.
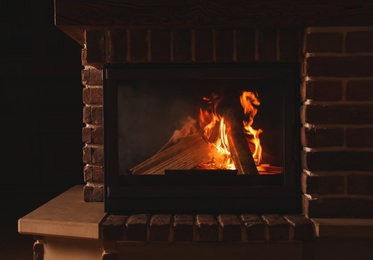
pixel 40 104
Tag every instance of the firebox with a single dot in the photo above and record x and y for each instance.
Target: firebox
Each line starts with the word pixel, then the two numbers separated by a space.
pixel 202 138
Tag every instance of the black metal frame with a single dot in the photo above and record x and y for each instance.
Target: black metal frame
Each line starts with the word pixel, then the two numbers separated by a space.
pixel 172 193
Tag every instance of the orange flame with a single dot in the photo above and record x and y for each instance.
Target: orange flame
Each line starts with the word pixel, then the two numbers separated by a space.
pixel 248 101
pixel 215 130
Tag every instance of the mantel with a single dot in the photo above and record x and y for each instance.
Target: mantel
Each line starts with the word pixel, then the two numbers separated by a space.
pixel 74 17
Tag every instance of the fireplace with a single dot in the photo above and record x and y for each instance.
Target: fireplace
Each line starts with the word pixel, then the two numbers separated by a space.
pixel 157 45
pixel 182 138
pixel 330 48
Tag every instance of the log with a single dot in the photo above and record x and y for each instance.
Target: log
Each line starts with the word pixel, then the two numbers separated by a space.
pixel 238 146
pixel 184 155
pixel 188 128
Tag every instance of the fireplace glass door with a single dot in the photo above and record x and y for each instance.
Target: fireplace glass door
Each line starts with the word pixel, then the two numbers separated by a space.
pixel 201 139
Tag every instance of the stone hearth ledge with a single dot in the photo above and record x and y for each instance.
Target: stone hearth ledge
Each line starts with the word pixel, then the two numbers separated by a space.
pixel 69 216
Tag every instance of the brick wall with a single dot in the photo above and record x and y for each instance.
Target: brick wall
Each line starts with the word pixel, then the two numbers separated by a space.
pixel 165 46
pixel 337 117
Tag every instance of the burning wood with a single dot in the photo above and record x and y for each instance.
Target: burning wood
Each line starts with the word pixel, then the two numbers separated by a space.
pixel 184 155
pixel 238 146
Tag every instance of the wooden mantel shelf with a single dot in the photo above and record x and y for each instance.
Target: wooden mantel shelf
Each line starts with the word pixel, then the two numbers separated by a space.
pixel 74 17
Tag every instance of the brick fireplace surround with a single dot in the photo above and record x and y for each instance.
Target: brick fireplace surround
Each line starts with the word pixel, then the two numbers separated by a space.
pixel 337 112
pixel 337 95
pixel 337 136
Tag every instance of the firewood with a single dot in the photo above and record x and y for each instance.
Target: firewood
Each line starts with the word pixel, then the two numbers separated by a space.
pixel 184 155
pixel 188 128
pixel 238 146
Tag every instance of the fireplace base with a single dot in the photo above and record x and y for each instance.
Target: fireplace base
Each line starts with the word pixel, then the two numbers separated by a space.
pixel 66 225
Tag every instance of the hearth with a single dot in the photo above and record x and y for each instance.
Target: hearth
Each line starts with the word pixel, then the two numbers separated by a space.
pixel 207 138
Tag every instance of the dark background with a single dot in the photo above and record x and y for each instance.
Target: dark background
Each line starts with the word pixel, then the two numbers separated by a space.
pixel 41 116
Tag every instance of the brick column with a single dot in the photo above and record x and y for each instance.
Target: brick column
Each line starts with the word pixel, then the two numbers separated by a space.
pixel 337 117
pixel 93 58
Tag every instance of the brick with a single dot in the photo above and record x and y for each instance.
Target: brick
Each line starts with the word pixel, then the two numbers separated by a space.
pixel 359 137
pixel 86 135
pixel 267 45
pixel 113 228
pixel 278 227
pixel 87 154
pixel 38 250
pixel 87 194
pixel 92 96
pixel 93 193
pixel 92 76
pixel 160 45
pixel 360 184
pixel 322 137
pixel 359 42
pixel 88 174
pixel 338 161
pixel 356 66
pixel 208 228
pixel 118 46
pixel 289 43
pixel 324 42
pixel 137 226
pixel 96 49
pixel 93 115
pixel 93 173
pixel 323 90
pixel 224 45
pixel 231 226
pixel 98 194
pixel 160 227
pixel 255 227
pixel 97 115
pixel 340 208
pixel 338 114
pixel 325 184
pixel 204 46
pixel 97 154
pixel 183 227
pixel 139 45
pixel 182 46
pixel 359 90
pixel 245 45
pixel 93 154
pixel 87 115
pixel 303 227
pixel 96 134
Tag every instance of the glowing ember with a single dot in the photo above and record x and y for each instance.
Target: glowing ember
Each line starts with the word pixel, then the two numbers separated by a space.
pixel 214 130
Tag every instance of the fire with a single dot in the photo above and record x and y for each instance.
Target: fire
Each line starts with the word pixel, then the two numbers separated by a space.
pixel 214 130
pixel 248 101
